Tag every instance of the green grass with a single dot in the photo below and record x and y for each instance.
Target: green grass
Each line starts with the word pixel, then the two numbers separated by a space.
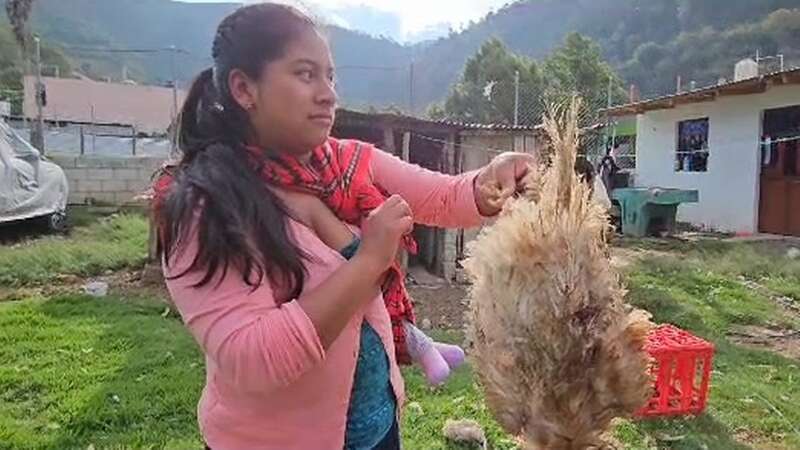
pixel 754 393
pixel 84 216
pixel 428 409
pixel 112 243
pixel 114 373
pixel 78 371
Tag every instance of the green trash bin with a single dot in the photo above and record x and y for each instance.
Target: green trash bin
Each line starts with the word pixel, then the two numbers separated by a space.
pixel 639 207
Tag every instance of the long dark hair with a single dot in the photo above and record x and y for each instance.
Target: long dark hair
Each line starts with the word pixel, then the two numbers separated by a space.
pixel 240 222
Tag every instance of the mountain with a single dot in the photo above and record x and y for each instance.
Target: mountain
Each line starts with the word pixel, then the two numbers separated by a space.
pixel 79 27
pixel 649 42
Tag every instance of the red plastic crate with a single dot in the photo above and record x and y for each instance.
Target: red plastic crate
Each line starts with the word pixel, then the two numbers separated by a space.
pixel 681 371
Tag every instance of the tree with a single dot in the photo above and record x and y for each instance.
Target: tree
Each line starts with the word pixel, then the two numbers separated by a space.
pixel 19 12
pixel 578 67
pixel 486 90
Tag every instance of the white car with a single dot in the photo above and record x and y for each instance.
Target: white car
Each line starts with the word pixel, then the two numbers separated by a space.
pixel 31 187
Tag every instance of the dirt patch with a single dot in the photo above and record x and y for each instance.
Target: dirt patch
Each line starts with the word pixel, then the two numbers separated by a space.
pixel 789 305
pixel 147 282
pixel 443 305
pixel 624 257
pixel 126 283
pixel 781 341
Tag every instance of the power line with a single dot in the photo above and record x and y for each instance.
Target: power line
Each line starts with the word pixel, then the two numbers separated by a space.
pixel 454 144
pixel 365 67
pixel 126 50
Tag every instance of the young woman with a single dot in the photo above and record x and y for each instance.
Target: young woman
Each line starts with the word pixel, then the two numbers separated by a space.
pixel 279 244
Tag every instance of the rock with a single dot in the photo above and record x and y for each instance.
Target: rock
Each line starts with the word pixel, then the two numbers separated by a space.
pixel 426 324
pixel 793 253
pixel 415 408
pixel 465 432
pixel 96 288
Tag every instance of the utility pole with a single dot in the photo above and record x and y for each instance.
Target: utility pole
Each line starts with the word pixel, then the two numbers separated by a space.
pixel 411 88
pixel 174 147
pixel 172 51
pixel 516 97
pixel 37 134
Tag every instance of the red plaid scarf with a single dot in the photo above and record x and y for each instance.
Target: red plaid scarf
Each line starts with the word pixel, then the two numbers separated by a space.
pixel 338 172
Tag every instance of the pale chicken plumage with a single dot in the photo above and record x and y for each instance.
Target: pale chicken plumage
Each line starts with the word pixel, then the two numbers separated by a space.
pixel 558 352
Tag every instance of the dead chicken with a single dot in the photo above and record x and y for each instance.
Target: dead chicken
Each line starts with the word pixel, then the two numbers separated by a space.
pixel 558 352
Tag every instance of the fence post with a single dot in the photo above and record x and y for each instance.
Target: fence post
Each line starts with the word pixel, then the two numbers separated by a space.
pixel 516 98
pixel 133 139
pixel 83 141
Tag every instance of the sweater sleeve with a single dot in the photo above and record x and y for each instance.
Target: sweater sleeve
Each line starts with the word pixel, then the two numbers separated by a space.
pixel 436 199
pixel 256 344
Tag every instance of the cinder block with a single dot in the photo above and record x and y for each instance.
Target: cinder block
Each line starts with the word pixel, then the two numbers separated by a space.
pixel 126 174
pixel 65 162
pixel 76 198
pixel 89 162
pixel 100 174
pixel 76 174
pixel 100 162
pixel 89 186
pixel 113 185
pixel 120 198
pixel 137 185
pixel 103 197
pixel 147 172
pixel 144 162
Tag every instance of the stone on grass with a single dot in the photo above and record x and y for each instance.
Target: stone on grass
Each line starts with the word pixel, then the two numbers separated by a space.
pixel 96 288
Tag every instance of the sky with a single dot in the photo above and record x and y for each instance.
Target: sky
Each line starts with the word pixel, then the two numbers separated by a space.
pixel 402 20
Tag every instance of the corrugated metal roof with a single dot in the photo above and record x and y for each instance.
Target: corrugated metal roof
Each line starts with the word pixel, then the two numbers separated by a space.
pixel 742 87
pixel 345 113
pixel 489 126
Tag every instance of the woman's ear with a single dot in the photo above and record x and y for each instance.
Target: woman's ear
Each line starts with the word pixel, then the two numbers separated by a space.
pixel 243 89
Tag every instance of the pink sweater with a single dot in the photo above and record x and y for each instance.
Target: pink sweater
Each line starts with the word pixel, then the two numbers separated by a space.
pixel 269 383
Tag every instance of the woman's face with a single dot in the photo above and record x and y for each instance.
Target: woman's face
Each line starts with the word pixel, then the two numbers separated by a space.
pixel 293 102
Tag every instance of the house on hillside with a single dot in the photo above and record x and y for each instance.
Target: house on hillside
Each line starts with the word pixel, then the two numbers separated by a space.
pixel 149 109
pixel 735 142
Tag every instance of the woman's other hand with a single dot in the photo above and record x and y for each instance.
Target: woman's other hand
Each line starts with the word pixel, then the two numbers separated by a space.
pixel 382 230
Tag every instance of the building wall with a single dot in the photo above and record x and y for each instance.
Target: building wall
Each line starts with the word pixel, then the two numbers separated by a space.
pixel 148 108
pixel 480 147
pixel 728 191
pixel 107 180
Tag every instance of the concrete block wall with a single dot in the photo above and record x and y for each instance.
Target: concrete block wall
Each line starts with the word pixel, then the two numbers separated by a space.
pixel 106 180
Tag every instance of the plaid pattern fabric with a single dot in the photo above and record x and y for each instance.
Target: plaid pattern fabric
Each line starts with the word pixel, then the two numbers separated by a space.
pixel 338 173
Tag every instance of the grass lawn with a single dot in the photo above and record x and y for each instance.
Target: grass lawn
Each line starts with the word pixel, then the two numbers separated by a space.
pixel 755 395
pixel 106 372
pixel 107 243
pixel 118 373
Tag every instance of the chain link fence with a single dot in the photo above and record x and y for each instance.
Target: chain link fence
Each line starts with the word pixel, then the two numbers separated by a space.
pixel 93 139
pixel 516 103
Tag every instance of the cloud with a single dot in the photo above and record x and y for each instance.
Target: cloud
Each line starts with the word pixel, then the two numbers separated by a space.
pixel 415 16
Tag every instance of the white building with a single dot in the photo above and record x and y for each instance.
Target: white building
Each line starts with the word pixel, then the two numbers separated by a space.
pixel 736 143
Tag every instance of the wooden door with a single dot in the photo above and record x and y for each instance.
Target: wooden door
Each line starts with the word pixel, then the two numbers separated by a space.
pixel 779 203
